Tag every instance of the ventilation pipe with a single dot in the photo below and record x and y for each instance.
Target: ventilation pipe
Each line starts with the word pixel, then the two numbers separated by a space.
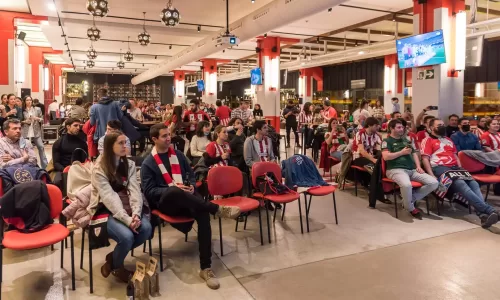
pixel 259 22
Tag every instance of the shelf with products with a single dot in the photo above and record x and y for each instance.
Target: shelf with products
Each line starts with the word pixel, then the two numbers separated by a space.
pixel 143 92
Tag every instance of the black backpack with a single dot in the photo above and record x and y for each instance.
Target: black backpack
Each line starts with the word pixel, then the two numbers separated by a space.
pixel 268 184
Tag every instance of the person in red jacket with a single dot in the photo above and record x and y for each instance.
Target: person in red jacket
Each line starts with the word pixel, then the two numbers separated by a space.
pixel 423 134
pixel 193 116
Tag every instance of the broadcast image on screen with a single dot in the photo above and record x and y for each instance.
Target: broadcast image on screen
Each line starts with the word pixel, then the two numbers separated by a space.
pixel 256 76
pixel 421 50
pixel 201 85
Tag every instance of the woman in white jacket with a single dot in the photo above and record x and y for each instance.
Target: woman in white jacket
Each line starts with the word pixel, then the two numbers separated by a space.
pixel 114 183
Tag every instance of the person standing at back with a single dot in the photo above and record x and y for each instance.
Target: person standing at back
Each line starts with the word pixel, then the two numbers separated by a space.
pixel 223 113
pixel 328 112
pixel 290 114
pixel 194 116
pixel 395 104
pixel 77 111
pixel 32 128
pixel 12 109
pixel 243 112
pixel 102 112
pixel 362 110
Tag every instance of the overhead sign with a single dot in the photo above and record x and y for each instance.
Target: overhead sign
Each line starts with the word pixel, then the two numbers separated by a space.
pixel 358 84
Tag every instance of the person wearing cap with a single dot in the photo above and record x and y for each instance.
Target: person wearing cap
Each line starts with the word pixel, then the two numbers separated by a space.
pixel 328 112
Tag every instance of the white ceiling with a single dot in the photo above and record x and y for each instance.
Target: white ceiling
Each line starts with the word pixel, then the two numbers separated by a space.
pixel 15 5
pixel 124 20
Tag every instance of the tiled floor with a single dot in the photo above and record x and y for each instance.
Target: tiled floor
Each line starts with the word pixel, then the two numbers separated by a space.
pixel 369 255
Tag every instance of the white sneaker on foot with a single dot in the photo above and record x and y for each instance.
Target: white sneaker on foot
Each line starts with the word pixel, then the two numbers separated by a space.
pixel 210 278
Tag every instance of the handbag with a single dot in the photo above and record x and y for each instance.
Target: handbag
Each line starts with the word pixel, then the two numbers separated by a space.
pixel 98 228
pixel 268 184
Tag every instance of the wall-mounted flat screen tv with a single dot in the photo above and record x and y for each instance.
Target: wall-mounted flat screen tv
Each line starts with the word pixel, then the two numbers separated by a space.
pixel 256 76
pixel 201 85
pixel 421 50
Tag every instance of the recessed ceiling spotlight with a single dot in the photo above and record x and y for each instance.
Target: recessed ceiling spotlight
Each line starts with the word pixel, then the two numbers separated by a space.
pixel 199 28
pixel 156 56
pixel 51 6
pixel 361 52
pixel 253 1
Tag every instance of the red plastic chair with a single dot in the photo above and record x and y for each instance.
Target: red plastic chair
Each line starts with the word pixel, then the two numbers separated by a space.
pixel 226 181
pixel 390 185
pixel 319 191
pixel 171 220
pixel 356 169
pixel 474 166
pixel 48 236
pixel 261 168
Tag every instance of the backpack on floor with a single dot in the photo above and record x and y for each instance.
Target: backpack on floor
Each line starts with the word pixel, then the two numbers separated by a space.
pixel 268 184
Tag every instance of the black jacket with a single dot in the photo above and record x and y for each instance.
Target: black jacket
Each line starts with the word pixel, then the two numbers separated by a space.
pixel 236 143
pixel 27 206
pixel 63 149
pixel 291 120
pixel 376 190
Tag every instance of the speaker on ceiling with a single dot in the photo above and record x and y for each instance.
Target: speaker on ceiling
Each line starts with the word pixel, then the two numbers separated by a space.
pixel 211 67
pixel 46 62
pixel 21 36
pixel 257 50
pixel 274 49
pixel 202 68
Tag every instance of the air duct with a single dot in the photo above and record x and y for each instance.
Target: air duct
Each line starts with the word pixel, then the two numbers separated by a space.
pixel 263 20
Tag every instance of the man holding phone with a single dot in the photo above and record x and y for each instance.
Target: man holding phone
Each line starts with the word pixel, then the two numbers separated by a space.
pixel 403 167
pixel 167 183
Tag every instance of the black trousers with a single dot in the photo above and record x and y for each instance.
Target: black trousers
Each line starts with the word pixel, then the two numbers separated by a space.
pixel 293 127
pixel 177 203
pixel 362 177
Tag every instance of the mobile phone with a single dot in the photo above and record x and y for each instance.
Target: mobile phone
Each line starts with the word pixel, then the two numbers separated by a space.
pixel 433 107
pixel 340 127
pixel 22 143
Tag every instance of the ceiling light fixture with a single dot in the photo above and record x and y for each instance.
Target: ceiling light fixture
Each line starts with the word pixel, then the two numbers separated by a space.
pixel 361 52
pixel 129 56
pixel 144 37
pixel 330 10
pixel 265 35
pixel 156 56
pixel 170 47
pixel 253 1
pixel 90 64
pixel 170 16
pixel 51 6
pixel 98 8
pixel 93 32
pixel 199 28
pixel 120 64
pixel 91 53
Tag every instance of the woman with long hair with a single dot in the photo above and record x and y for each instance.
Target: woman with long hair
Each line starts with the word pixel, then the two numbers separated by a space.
pixel 32 127
pixel 218 152
pixel 236 138
pixel 257 111
pixel 334 138
pixel 378 111
pixel 115 186
pixel 4 99
pixel 306 118
pixel 200 141
pixel 362 110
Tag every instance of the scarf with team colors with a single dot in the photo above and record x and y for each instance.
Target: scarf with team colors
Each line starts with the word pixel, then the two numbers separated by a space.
pixel 174 165
pixel 262 148
pixel 219 150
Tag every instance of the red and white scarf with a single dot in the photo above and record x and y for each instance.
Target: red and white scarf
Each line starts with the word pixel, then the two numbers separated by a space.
pixel 262 148
pixel 219 151
pixel 176 177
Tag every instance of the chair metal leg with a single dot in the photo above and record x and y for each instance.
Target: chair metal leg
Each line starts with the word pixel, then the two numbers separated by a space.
pixel 300 216
pixel 439 211
pixel 1 267
pixel 260 227
pixel 185 238
pixel 144 248
pixel 245 226
pixel 150 247
pixel 427 205
pixel 335 208
pixel 51 247
pixel 355 183
pixel 62 254
pixel 274 217
pixel 159 244
pixel 83 247
pixel 91 272
pixel 72 260
pixel 487 192
pixel 132 253
pixel 236 227
pixel 331 176
pixel 220 237
pixel 395 200
pixel 283 212
pixel 267 220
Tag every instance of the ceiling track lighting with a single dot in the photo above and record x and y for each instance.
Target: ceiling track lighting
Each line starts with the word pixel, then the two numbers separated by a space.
pixel 94 33
pixel 144 37
pixel 91 53
pixel 330 10
pixel 170 47
pixel 98 8
pixel 170 16
pixel 199 28
pixel 129 56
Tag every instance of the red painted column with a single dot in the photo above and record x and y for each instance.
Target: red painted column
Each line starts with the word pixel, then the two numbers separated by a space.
pixel 210 79
pixel 307 76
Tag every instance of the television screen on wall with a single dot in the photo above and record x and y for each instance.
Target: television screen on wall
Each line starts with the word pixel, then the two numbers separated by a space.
pixel 201 85
pixel 256 76
pixel 421 50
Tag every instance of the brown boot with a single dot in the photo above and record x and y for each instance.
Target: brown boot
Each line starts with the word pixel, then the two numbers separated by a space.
pixel 108 265
pixel 122 274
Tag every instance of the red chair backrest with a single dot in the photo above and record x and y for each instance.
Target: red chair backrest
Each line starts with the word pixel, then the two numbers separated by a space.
pixel 469 163
pixel 55 197
pixel 387 187
pixel 66 170
pixel 224 180
pixel 261 168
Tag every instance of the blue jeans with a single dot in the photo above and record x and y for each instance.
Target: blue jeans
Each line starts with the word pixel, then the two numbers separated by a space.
pixel 469 189
pixel 41 151
pixel 125 239
pixel 336 154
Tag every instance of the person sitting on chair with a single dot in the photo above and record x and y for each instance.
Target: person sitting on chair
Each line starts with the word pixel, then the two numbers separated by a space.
pixel 403 166
pixel 334 138
pixel 439 155
pixel 115 185
pixel 464 139
pixel 15 150
pixel 167 183
pixel 113 126
pixel 491 138
pixel 199 142
pixel 64 148
pixel 365 146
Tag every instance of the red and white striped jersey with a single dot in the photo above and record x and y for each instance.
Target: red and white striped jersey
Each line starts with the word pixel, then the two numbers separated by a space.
pixel 305 119
pixel 479 133
pixel 491 140
pixel 215 150
pixel 262 148
pixel 370 143
pixel 441 152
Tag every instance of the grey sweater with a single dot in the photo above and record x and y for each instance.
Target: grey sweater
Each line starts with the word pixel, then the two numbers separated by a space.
pixel 250 153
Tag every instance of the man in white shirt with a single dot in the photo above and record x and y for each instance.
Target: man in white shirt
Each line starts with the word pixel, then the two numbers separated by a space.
pixel 134 111
pixel 53 107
